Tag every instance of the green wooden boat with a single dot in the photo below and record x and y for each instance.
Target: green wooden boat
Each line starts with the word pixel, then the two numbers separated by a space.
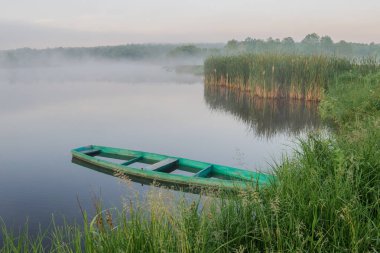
pixel 167 170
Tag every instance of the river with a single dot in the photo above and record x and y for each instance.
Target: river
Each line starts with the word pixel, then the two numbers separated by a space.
pixel 47 111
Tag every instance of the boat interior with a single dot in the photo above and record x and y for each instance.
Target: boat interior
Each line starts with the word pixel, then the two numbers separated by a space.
pixel 158 163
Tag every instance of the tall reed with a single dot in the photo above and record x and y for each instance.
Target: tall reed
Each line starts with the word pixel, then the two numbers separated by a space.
pixel 275 75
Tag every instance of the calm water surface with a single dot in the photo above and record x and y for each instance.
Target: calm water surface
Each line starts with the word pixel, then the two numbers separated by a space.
pixel 45 112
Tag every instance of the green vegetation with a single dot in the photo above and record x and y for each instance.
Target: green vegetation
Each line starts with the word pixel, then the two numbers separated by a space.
pixel 312 44
pixel 186 50
pixel 135 52
pixel 193 51
pixel 274 75
pixel 28 56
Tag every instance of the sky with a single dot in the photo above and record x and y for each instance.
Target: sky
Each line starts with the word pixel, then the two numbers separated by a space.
pixel 53 23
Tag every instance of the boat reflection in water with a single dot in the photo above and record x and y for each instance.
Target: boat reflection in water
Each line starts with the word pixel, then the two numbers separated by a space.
pixel 266 117
pixel 137 180
pixel 96 168
pixel 149 182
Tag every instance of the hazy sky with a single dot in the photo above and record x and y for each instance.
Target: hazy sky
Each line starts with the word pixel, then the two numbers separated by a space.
pixel 51 23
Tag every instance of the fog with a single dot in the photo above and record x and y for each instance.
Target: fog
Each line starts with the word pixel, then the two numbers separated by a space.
pixel 95 71
pixel 153 63
pixel 34 81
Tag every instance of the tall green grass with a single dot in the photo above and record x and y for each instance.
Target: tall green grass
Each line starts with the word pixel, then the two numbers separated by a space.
pixel 276 75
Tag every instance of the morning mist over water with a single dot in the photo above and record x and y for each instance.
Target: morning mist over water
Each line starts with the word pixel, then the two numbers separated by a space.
pixel 189 126
pixel 144 105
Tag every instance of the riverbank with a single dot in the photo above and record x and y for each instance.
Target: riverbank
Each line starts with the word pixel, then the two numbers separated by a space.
pixel 326 198
pixel 303 77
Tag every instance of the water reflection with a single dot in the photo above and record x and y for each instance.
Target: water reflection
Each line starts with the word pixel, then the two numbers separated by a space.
pixel 140 180
pixel 265 117
pixel 46 112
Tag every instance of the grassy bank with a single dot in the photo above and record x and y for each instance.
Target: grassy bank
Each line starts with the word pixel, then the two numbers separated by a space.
pixel 325 198
pixel 279 75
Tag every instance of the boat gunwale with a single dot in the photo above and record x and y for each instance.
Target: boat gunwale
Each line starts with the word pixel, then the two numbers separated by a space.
pixel 256 177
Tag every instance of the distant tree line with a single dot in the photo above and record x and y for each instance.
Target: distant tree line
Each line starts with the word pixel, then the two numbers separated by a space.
pixel 312 44
pixel 150 52
pixel 28 56
pixel 191 50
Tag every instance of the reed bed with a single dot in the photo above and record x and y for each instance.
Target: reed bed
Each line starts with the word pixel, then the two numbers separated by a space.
pixel 276 75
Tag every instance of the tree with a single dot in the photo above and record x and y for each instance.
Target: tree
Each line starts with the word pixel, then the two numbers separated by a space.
pixel 249 40
pixel 344 49
pixel 288 41
pixel 186 50
pixel 288 45
pixel 232 44
pixel 311 43
pixel 312 38
pixel 327 44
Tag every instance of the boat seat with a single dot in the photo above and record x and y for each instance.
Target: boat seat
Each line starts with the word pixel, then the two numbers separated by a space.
pixel 133 160
pixel 163 165
pixel 204 172
pixel 91 152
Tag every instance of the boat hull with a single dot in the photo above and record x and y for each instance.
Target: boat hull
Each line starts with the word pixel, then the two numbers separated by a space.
pixel 159 169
